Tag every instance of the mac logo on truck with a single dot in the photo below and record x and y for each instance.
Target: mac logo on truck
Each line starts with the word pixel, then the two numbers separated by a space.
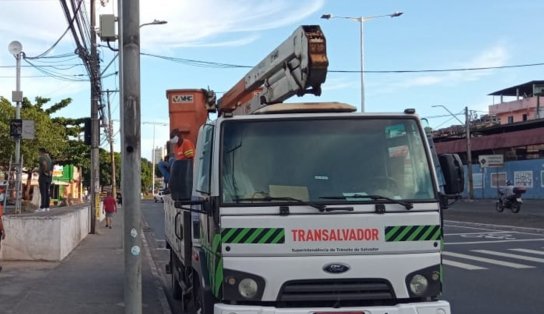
pixel 336 268
pixel 182 99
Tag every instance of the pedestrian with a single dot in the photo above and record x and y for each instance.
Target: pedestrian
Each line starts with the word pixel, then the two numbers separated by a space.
pixel 110 206
pixel 45 170
pixel 2 231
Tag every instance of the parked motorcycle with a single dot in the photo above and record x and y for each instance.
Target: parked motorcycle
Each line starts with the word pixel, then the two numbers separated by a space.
pixel 512 202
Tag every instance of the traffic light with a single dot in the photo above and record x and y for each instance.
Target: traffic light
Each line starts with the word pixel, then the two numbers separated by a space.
pixel 88 128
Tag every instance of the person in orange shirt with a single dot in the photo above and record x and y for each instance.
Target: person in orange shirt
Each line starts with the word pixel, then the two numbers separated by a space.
pixel 184 148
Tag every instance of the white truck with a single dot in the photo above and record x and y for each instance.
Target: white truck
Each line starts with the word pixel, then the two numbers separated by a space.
pixel 310 207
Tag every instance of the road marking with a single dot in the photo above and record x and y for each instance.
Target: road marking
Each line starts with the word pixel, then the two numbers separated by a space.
pixel 492 241
pixel 492 227
pixel 490 235
pixel 469 233
pixel 486 260
pixel 522 257
pixel 461 265
pixel 528 251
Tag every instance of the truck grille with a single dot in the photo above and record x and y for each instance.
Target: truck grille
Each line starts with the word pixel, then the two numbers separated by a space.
pixel 337 292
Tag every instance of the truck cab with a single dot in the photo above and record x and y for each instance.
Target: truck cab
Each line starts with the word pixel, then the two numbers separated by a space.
pixel 309 208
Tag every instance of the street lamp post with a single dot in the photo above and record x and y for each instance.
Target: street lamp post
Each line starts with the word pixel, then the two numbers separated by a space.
pixel 466 124
pixel 361 20
pixel 153 161
pixel 16 49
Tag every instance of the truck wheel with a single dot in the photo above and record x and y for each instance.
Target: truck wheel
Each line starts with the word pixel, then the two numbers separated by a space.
pixel 516 207
pixel 176 287
pixel 204 300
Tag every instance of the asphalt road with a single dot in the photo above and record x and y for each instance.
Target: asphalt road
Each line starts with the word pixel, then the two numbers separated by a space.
pixel 493 262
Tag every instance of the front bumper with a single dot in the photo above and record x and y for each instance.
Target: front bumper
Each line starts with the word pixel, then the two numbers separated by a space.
pixel 437 307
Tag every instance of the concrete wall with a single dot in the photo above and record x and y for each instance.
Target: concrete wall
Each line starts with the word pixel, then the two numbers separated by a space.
pixel 49 236
pixel 523 173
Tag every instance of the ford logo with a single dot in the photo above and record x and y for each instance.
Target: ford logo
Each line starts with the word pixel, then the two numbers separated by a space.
pixel 336 268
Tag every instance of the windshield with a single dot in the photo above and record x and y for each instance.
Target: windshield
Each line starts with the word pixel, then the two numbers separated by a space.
pixel 323 160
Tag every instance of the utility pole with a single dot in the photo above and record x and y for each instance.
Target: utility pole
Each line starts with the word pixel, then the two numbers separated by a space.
pixel 95 129
pixel 110 139
pixel 129 53
pixel 469 155
pixel 469 150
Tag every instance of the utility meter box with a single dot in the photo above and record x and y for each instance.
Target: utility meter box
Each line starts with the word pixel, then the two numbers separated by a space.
pixel 107 27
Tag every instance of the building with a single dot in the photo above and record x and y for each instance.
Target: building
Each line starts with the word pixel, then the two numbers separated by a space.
pixel 158 154
pixel 514 132
pixel 526 105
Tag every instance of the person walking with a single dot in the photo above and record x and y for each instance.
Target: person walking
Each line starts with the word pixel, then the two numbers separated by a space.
pixel 44 179
pixel 110 206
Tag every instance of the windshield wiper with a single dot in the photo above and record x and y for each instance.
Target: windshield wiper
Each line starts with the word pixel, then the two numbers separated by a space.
pixel 406 205
pixel 319 207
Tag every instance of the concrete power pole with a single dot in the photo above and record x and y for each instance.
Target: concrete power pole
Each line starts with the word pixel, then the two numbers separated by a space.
pixel 129 53
pixel 469 155
pixel 110 139
pixel 95 129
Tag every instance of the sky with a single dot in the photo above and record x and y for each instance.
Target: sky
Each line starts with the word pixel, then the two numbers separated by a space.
pixel 501 36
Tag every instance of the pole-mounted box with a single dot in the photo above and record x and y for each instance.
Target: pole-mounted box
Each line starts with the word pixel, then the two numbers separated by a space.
pixel 107 27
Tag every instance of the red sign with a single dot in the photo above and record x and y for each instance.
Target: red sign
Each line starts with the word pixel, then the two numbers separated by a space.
pixel 346 234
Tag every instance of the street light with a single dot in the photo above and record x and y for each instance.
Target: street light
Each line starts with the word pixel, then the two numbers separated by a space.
pixel 153 152
pixel 154 22
pixel 16 49
pixel 466 124
pixel 361 20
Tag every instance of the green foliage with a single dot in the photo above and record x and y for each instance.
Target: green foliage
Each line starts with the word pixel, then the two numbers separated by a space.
pixel 49 134
pixel 61 137
pixel 147 176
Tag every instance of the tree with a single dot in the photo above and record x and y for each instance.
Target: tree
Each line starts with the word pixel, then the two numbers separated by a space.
pixel 50 133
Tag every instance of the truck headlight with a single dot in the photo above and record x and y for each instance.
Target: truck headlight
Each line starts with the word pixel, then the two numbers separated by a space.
pixel 418 284
pixel 248 288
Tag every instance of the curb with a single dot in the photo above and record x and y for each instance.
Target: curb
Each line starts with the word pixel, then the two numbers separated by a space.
pixel 157 278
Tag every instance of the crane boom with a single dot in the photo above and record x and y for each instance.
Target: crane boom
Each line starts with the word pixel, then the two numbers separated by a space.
pixel 296 67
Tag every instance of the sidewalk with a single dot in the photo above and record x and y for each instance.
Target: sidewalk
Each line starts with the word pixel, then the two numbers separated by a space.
pixel 89 280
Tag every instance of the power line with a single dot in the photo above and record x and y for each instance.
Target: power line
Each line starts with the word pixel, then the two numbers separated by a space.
pixel 446 70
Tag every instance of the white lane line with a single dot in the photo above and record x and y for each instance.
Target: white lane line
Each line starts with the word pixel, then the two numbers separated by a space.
pixel 461 265
pixel 522 257
pixel 491 227
pixel 492 241
pixel 486 260
pixel 469 233
pixel 528 251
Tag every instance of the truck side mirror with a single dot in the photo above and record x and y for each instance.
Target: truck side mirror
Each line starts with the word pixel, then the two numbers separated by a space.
pixel 181 180
pixel 452 169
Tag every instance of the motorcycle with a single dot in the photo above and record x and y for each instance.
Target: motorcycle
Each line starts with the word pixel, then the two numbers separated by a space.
pixel 512 202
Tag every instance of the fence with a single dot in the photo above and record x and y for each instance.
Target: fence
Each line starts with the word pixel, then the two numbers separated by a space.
pixel 524 173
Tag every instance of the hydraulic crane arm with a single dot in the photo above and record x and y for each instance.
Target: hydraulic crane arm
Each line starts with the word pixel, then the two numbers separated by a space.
pixel 297 67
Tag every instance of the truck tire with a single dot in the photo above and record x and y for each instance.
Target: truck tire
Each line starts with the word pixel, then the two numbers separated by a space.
pixel 176 287
pixel 204 298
